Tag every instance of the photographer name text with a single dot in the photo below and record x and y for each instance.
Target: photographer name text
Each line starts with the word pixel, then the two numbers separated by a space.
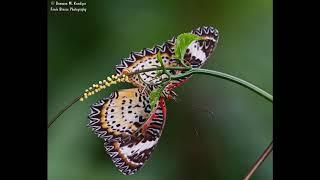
pixel 70 6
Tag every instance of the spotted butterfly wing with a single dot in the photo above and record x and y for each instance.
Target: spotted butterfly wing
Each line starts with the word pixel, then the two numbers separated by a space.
pixel 129 127
pixel 196 55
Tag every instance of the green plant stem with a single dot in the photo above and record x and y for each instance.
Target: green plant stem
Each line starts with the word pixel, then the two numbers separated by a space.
pixel 225 76
pixel 234 79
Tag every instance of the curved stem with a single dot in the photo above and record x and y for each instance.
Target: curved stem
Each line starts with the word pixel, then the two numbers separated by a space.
pixel 229 77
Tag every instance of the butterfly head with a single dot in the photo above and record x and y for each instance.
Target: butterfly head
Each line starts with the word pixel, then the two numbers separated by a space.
pixel 199 51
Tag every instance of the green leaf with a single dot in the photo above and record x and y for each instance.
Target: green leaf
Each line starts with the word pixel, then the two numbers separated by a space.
pixel 182 43
pixel 155 96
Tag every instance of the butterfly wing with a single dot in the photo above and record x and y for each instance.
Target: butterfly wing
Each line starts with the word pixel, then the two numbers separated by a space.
pixel 196 55
pixel 129 127
pixel 199 51
pixel 146 59
pixel 130 156
pixel 119 115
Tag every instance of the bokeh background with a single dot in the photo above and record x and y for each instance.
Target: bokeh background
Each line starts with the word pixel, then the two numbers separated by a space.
pixel 216 130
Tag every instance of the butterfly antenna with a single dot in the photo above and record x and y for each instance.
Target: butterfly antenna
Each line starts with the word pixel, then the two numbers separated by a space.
pixel 63 110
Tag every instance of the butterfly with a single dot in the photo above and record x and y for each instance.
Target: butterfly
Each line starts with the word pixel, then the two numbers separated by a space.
pixel 125 120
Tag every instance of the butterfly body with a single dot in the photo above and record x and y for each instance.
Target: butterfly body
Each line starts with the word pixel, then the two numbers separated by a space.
pixel 125 120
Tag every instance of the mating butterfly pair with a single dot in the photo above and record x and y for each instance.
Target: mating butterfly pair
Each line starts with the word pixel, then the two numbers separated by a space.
pixel 129 126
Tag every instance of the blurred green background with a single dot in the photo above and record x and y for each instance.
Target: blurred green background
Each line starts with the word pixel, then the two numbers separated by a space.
pixel 233 125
